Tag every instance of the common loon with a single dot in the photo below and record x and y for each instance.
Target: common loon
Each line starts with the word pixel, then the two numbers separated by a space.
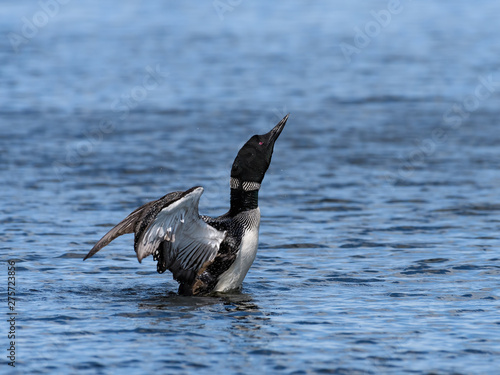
pixel 204 254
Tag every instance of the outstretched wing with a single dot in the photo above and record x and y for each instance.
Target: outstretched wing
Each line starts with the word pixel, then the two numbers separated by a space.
pixel 132 221
pixel 174 222
pixel 190 241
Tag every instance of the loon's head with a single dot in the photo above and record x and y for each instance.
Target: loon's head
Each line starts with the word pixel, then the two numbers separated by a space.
pixel 254 158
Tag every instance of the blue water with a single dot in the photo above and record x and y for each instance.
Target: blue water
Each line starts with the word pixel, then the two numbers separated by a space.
pixel 379 246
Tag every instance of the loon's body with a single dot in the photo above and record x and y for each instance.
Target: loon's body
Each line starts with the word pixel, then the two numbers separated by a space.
pixel 204 254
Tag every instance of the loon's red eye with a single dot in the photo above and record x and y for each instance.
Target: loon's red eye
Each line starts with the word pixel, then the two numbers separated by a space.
pixel 261 143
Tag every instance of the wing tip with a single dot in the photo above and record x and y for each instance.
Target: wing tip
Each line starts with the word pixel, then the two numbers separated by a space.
pixel 195 189
pixel 91 253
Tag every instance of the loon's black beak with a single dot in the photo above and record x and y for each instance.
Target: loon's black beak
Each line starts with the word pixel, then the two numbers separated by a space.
pixel 276 131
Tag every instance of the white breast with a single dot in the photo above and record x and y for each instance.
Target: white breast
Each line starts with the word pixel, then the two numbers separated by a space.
pixel 233 277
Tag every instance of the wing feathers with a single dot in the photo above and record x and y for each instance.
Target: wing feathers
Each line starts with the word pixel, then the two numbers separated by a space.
pixel 191 239
pixel 133 221
pixel 127 225
pixel 170 225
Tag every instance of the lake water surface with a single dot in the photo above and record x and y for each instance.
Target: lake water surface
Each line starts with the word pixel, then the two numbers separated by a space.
pixel 379 241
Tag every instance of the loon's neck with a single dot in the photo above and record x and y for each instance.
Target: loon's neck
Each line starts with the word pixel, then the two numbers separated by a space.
pixel 244 196
pixel 243 200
